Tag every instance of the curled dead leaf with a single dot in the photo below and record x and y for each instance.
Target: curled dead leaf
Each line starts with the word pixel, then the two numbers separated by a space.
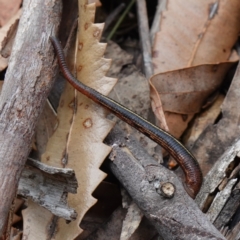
pixel 77 143
pixel 192 33
pixel 185 91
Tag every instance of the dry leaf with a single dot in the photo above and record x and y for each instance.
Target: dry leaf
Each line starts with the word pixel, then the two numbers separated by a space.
pixel 15 234
pixel 47 124
pixel 205 119
pixel 12 232
pixel 8 8
pixel 184 91
pixel 85 150
pixel 35 225
pixel 77 142
pixel 56 146
pixel 3 33
pixel 194 33
pixel 7 43
pixel 37 219
pixel 97 2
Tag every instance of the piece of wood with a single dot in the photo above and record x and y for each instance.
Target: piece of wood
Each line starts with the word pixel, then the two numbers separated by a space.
pixel 174 218
pixel 216 175
pixel 219 196
pixel 49 186
pixel 27 83
pixel 229 211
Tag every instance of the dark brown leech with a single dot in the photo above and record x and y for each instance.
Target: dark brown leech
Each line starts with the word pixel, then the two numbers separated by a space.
pixel 188 163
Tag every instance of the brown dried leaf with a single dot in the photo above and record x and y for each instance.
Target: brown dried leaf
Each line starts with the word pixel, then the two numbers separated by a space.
pixel 35 222
pixel 85 150
pixel 54 156
pixel 190 86
pixel 98 3
pixel 7 43
pixel 56 146
pixel 77 142
pixel 194 33
pixel 3 34
pixel 8 8
pixel 15 234
pixel 46 126
pixel 184 91
pixel 11 232
pixel 205 119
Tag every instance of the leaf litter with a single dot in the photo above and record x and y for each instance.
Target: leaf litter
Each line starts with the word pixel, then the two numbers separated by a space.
pixel 194 48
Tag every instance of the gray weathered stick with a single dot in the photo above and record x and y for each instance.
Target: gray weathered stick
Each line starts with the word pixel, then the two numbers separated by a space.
pixel 174 218
pixel 48 186
pixel 145 37
pixel 27 84
pixel 157 19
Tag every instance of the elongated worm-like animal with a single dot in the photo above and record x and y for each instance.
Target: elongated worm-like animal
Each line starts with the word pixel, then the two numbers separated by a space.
pixel 188 163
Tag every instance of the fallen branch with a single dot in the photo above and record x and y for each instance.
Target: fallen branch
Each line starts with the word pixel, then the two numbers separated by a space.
pixel 174 218
pixel 48 186
pixel 27 84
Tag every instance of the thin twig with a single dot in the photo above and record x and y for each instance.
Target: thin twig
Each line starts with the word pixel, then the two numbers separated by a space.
pixel 157 19
pixel 120 20
pixel 145 37
pixel 112 16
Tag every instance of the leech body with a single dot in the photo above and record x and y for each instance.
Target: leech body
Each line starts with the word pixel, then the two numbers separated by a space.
pixel 190 166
